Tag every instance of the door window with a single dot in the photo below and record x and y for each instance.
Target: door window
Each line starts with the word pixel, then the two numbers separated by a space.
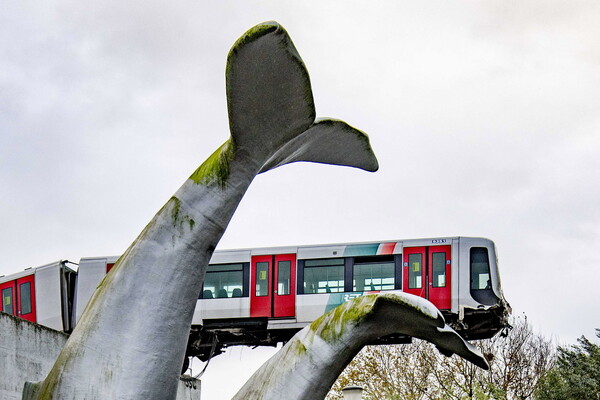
pixel 283 274
pixel 262 279
pixel 7 301
pixel 438 270
pixel 25 293
pixel 415 275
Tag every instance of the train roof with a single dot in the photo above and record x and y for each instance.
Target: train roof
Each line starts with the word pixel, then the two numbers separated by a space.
pixel 31 270
pixel 307 251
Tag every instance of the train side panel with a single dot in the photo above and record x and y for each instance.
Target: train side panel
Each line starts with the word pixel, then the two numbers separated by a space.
pixel 90 273
pixel 49 298
pixel 210 306
pixel 237 307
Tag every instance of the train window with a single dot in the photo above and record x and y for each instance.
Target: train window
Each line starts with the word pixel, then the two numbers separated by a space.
pixel 481 281
pixel 439 270
pixel 7 301
pixel 373 276
pixel 480 268
pixel 324 276
pixel 223 280
pixel 283 274
pixel 262 279
pixel 25 293
pixel 415 266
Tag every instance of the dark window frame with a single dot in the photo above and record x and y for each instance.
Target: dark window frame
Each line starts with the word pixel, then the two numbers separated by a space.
pixel 410 271
pixel 260 268
pixel 12 300
pixel 374 260
pixel 302 268
pixel 348 270
pixel 289 277
pixel 28 303
pixel 486 295
pixel 433 270
pixel 245 279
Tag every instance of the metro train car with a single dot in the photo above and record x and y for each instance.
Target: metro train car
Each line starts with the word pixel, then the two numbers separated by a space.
pixel 264 296
pixel 42 295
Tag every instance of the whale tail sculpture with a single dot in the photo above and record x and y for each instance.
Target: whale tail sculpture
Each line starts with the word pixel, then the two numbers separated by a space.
pixel 130 341
pixel 308 365
pixel 272 113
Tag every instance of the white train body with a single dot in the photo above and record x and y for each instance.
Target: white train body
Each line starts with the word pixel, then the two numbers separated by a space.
pixel 263 296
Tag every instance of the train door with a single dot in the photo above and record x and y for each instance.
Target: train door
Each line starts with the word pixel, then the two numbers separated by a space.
pixel 427 274
pixel 272 286
pixel 26 298
pixel 18 298
pixel 9 294
pixel 439 276
pixel 414 271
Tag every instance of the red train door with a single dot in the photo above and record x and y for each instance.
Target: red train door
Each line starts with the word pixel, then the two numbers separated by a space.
pixel 414 271
pixel 284 301
pixel 8 291
pixel 261 289
pixel 439 276
pixel 18 298
pixel 26 298
pixel 427 274
pixel 272 286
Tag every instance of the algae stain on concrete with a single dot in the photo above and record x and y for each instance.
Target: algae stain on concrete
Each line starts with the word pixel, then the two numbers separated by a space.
pixel 178 218
pixel 297 348
pixel 216 167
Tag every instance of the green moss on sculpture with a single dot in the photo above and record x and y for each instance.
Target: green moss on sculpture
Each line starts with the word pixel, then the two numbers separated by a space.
pixel 176 207
pixel 297 348
pixel 331 326
pixel 400 300
pixel 216 167
pixel 179 219
pixel 30 390
pixel 46 390
pixel 254 33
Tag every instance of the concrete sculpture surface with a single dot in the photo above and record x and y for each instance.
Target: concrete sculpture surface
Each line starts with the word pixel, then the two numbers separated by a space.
pixel 308 365
pixel 131 340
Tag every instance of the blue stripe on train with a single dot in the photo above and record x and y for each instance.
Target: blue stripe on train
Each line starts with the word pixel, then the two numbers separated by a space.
pixel 361 250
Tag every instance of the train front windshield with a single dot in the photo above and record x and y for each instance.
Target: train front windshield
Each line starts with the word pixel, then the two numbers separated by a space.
pixel 481 278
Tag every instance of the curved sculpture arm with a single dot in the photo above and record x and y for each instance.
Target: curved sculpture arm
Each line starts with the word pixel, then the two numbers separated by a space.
pixel 308 365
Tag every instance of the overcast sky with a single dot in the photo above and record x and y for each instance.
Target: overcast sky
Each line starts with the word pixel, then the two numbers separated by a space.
pixel 484 117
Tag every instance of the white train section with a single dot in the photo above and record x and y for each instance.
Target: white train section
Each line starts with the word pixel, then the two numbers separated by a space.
pixel 264 296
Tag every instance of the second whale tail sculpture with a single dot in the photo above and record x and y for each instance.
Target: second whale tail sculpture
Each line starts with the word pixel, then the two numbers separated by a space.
pixel 308 365
pixel 130 342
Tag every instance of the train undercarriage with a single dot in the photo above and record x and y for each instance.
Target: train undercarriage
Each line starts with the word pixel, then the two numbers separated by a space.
pixel 212 338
